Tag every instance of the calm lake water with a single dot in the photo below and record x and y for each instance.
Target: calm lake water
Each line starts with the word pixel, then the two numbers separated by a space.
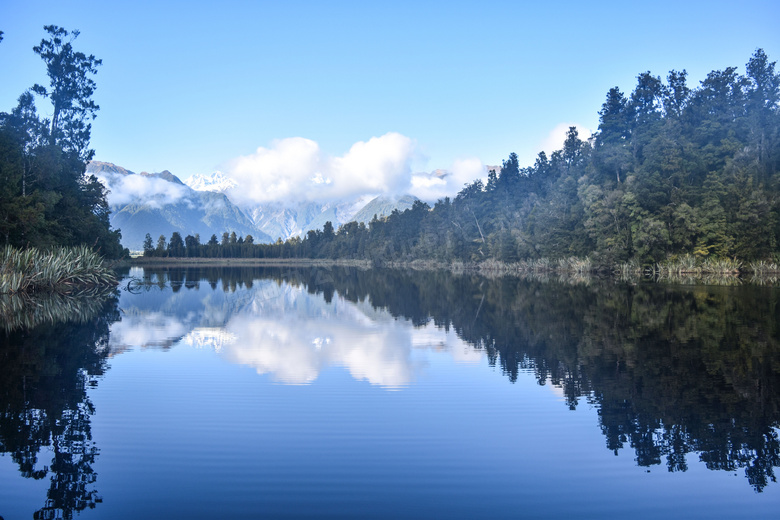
pixel 336 393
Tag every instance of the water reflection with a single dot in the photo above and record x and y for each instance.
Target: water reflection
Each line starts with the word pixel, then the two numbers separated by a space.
pixel 280 328
pixel 673 370
pixel 44 407
pixel 19 311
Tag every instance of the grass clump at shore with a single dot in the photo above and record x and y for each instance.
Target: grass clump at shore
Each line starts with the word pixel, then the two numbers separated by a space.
pixel 688 265
pixel 62 270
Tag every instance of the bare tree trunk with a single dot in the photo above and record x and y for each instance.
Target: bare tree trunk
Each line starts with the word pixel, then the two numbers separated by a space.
pixel 478 228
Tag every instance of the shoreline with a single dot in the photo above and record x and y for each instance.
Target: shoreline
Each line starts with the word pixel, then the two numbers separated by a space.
pixel 248 262
pixel 566 269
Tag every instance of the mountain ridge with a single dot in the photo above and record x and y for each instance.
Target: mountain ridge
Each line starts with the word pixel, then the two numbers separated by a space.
pixel 161 203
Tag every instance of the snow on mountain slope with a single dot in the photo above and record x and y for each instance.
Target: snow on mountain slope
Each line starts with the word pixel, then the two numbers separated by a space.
pixel 217 181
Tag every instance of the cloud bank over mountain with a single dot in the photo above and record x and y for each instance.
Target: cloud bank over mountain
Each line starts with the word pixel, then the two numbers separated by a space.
pixel 295 169
pixel 283 190
pixel 154 192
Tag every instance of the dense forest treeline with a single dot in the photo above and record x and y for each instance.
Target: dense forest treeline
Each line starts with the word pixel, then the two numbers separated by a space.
pixel 671 171
pixel 45 198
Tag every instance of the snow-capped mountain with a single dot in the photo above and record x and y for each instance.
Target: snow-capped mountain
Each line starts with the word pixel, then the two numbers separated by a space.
pixel 160 203
pixel 295 218
pixel 217 181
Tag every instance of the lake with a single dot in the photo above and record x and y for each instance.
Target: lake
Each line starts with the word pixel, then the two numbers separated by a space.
pixel 345 393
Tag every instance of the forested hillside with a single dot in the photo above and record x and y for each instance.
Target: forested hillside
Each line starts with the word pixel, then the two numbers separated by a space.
pixel 672 171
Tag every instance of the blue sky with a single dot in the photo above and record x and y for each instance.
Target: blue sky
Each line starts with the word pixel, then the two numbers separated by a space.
pixel 193 86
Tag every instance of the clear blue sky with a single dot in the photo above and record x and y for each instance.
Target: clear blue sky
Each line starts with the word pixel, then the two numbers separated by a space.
pixel 190 86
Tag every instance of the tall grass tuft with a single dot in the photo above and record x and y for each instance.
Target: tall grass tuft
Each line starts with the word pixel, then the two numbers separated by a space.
pixel 688 266
pixel 63 270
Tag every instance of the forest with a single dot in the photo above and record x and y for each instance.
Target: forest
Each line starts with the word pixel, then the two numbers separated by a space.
pixel 46 200
pixel 673 171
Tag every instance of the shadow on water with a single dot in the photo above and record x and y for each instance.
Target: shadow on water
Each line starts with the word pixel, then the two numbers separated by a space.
pixel 52 350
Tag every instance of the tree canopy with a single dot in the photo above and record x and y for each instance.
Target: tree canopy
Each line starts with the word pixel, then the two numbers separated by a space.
pixel 45 197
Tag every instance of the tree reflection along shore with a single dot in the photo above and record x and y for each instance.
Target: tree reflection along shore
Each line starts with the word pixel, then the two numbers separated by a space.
pixel 672 369
pixel 44 406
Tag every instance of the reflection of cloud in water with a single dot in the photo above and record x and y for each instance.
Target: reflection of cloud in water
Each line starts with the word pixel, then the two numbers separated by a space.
pixel 295 335
pixel 212 337
pixel 273 347
pixel 146 330
pixel 298 335
pixel 432 337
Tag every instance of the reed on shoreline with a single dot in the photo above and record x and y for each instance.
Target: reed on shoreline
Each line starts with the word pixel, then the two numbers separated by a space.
pixel 62 270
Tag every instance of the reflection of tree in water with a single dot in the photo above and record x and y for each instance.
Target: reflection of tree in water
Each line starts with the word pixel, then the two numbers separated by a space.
pixel 44 404
pixel 673 370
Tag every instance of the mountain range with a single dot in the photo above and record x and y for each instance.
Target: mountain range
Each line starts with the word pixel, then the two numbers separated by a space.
pixel 160 203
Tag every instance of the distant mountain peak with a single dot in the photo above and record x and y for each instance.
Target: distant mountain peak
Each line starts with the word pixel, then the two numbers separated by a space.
pixel 217 181
pixel 98 167
pixel 107 168
pixel 165 174
pixel 202 205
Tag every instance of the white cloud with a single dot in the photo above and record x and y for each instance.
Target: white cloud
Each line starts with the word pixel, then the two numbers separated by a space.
pixel 296 169
pixel 130 189
pixel 286 170
pixel 443 183
pixel 381 165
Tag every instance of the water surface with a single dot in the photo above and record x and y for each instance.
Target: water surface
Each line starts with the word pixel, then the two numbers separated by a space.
pixel 288 393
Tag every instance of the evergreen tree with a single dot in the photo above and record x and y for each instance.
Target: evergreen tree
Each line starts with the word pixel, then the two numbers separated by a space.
pixel 47 200
pixel 70 91
pixel 176 245
pixel 148 245
pixel 162 247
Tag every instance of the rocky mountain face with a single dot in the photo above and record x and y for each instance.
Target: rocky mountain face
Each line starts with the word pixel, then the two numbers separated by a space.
pixel 296 218
pixel 160 203
pixel 383 206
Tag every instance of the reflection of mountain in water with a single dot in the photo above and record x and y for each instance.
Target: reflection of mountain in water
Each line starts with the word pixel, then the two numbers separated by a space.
pixel 673 370
pixel 278 328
